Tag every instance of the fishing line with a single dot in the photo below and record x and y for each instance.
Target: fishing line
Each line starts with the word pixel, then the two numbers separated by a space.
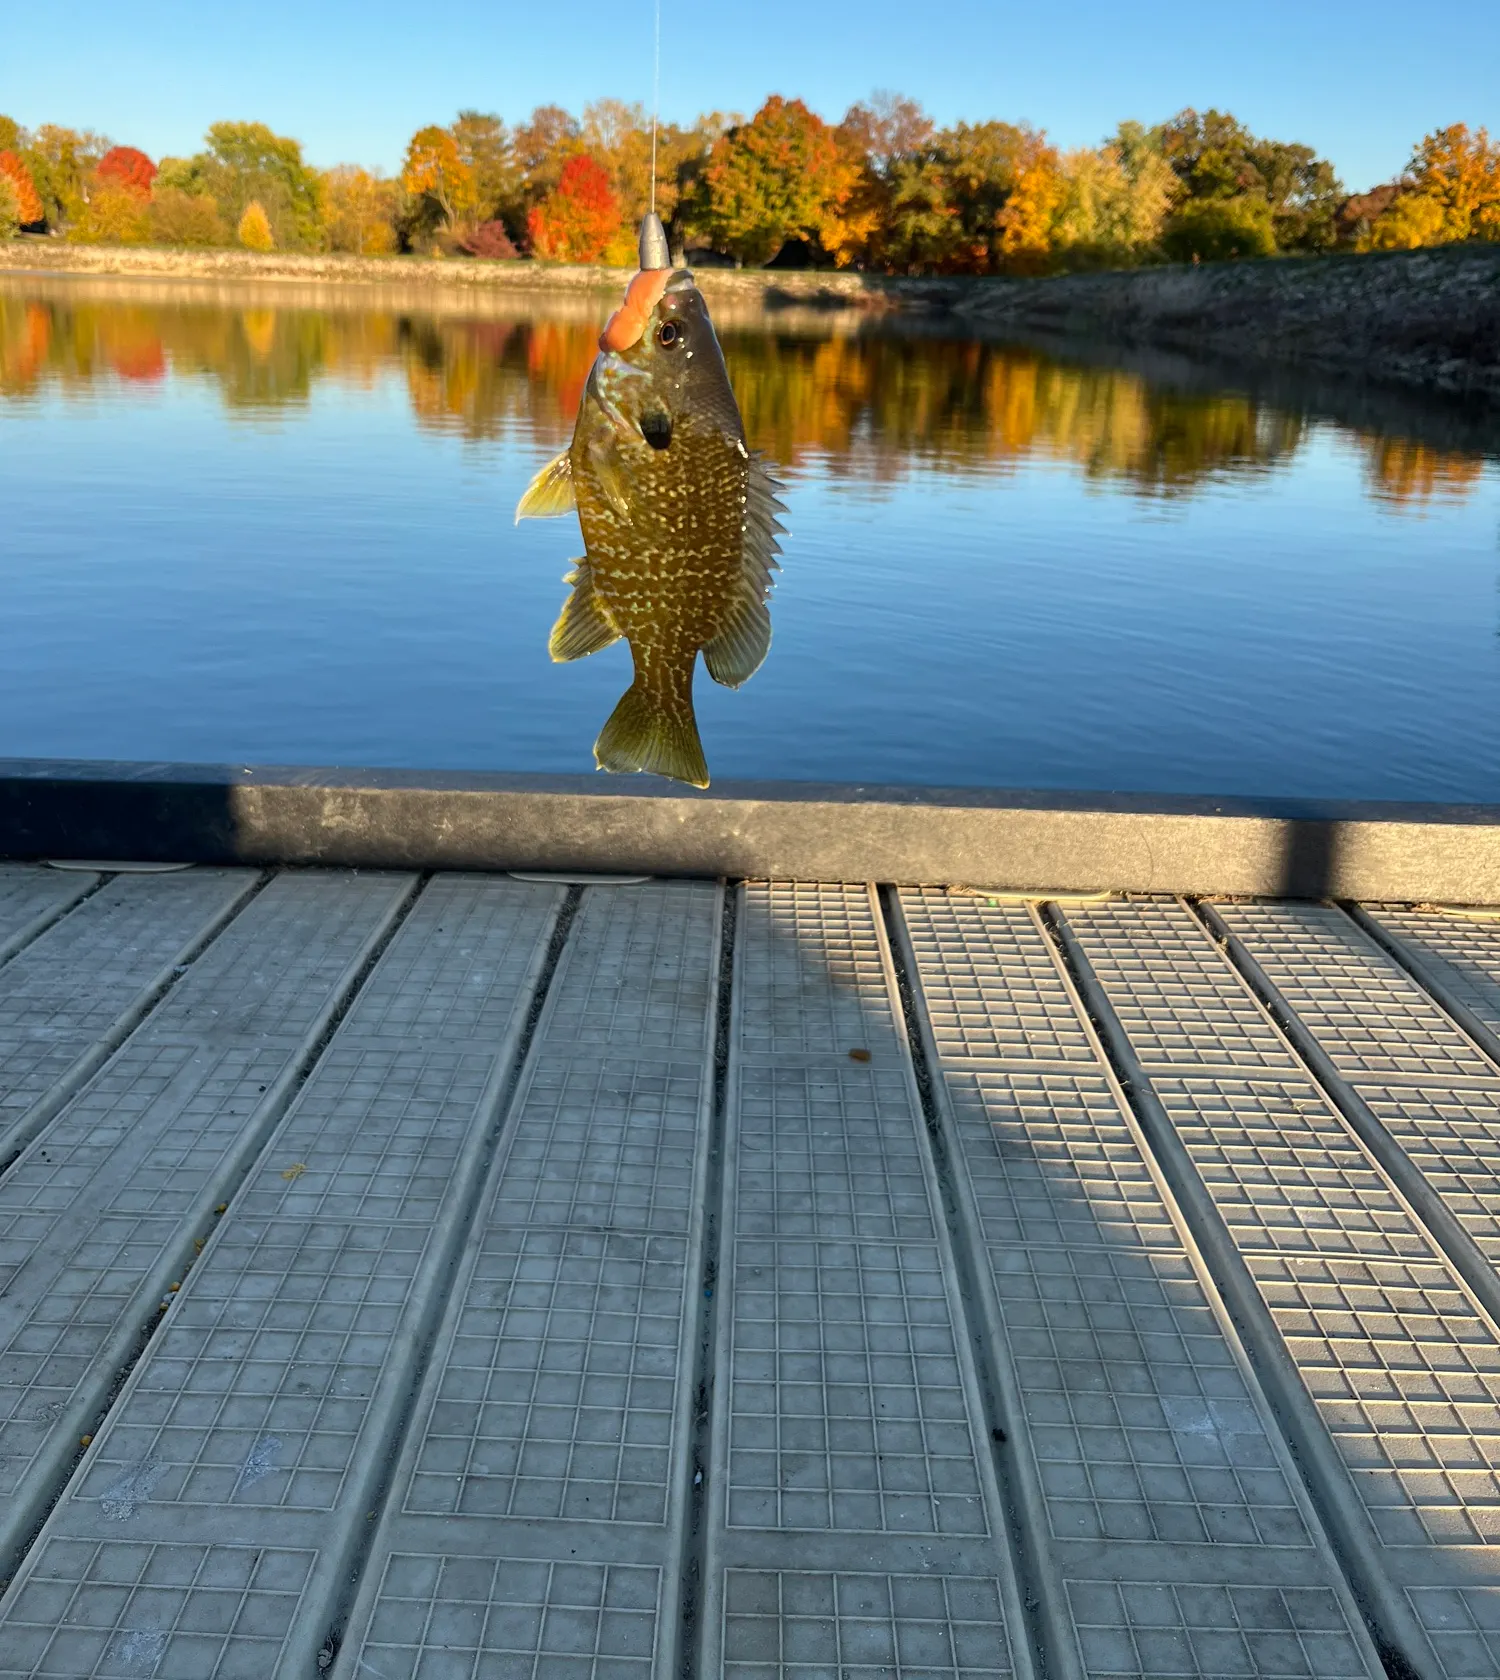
pixel 655 97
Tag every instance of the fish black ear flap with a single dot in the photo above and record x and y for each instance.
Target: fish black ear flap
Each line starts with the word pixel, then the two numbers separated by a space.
pixel 583 626
pixel 550 492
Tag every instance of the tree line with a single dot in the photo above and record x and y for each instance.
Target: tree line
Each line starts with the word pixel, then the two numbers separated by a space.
pixel 884 190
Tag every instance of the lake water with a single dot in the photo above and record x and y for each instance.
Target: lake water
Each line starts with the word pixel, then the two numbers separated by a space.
pixel 271 527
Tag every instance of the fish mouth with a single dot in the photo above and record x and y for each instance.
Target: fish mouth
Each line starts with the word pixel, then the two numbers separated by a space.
pixel 682 281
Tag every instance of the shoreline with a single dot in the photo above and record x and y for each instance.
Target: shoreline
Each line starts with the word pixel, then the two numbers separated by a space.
pixel 1424 320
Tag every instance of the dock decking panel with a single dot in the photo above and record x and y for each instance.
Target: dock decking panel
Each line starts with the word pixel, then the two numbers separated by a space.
pixel 71 994
pixel 944 1287
pixel 1161 1473
pixel 98 1215
pixel 1401 1361
pixel 533 1524
pixel 854 1474
pixel 230 1482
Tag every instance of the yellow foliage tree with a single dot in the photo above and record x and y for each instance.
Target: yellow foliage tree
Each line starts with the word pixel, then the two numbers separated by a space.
pixel 1460 172
pixel 114 215
pixel 358 212
pixel 1027 218
pixel 434 170
pixel 10 209
pixel 254 231
pixel 1410 220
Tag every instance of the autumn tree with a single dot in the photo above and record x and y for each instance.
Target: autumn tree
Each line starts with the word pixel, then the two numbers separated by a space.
pixel 359 211
pixel 131 168
pixel 12 135
pixel 577 221
pixel 254 230
pixel 10 208
pixel 114 215
pixel 541 146
pixel 28 202
pixel 894 190
pixel 1459 173
pixel 1408 222
pixel 434 174
pixel 783 175
pixel 1004 187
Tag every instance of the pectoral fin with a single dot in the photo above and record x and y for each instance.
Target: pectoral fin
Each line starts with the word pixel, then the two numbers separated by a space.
pixel 583 626
pixel 550 492
pixel 609 473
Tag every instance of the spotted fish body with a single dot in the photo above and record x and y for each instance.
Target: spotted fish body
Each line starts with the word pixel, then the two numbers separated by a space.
pixel 679 528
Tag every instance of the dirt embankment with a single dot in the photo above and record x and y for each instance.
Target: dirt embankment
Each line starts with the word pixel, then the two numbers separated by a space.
pixel 1425 319
pixel 1428 319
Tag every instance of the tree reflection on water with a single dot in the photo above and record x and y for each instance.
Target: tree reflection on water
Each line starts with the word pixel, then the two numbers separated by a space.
pixel 866 403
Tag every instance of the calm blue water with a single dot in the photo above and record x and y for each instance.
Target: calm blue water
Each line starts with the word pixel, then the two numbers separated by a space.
pixel 273 536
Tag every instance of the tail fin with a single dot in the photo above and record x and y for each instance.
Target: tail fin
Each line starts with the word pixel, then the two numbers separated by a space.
pixel 647 732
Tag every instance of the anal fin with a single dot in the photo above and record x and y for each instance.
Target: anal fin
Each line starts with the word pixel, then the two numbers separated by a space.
pixel 584 625
pixel 550 492
pixel 736 653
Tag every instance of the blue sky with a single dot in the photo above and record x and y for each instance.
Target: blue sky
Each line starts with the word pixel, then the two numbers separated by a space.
pixel 1356 79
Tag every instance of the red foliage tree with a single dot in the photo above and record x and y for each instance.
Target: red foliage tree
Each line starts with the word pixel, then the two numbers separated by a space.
pixel 577 221
pixel 489 240
pixel 132 169
pixel 28 200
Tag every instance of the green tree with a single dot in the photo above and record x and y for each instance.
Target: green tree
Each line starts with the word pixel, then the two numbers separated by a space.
pixel 179 217
pixel 12 135
pixel 1115 203
pixel 1216 229
pixel 246 163
pixel 62 162
pixel 485 150
pixel 1216 157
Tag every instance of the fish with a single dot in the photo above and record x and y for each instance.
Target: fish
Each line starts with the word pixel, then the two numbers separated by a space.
pixel 679 519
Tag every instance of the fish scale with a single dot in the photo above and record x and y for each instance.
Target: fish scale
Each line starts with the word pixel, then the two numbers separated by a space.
pixel 679 522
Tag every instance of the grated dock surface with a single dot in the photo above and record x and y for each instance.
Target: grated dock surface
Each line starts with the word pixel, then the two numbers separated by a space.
pixel 457 1277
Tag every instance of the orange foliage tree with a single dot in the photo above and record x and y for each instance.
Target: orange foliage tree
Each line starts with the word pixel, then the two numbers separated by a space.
pixel 132 169
pixel 783 175
pixel 577 221
pixel 28 200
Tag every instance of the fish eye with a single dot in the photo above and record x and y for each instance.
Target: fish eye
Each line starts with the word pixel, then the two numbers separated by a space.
pixel 668 334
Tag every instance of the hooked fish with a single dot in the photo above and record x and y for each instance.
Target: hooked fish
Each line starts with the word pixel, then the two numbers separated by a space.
pixel 678 516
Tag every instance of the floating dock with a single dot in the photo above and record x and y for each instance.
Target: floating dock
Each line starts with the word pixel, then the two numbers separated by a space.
pixel 418 1274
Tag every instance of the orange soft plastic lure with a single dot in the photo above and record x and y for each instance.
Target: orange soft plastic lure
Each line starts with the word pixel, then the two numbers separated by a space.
pixel 628 322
